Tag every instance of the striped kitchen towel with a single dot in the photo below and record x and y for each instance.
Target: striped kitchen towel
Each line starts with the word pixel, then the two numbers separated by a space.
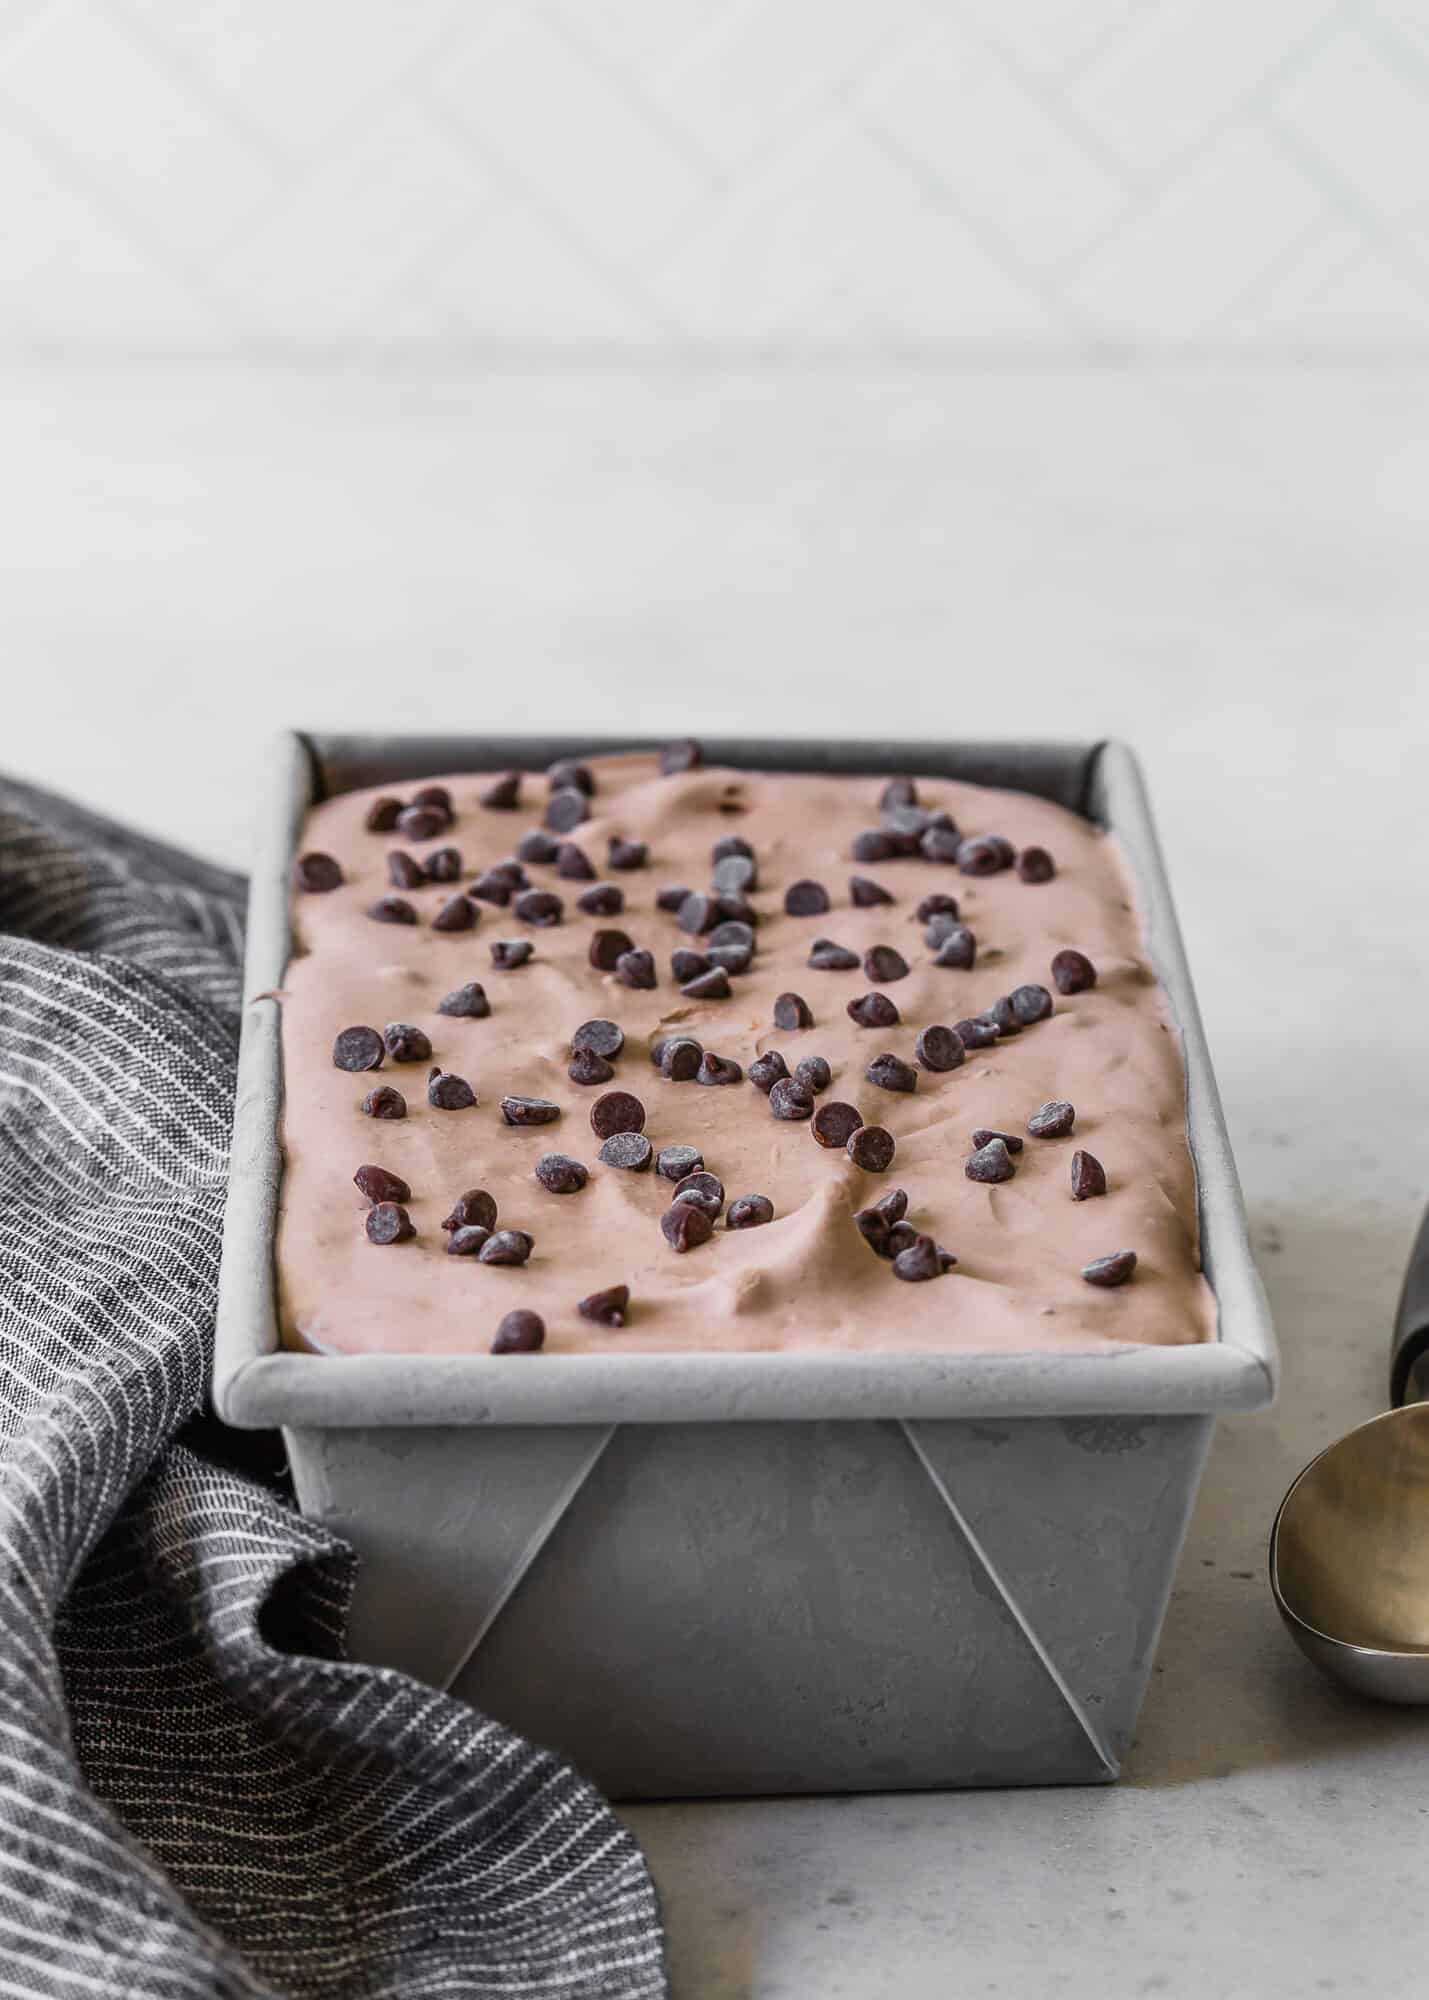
pixel 198 1794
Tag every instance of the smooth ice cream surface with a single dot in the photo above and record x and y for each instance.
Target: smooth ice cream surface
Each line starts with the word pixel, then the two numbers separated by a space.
pixel 807 1279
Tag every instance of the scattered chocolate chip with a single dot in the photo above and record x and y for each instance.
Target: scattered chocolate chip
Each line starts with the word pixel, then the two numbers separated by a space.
pixel 1030 1004
pixel 1035 864
pixel 684 1226
pixel 384 1102
pixel 941 843
pixel 389 1222
pixel 607 948
pixel 456 914
pixel 805 899
pixel 616 1111
pixel 716 1070
pixel 316 873
pixel 940 1048
pixel 921 1259
pixel 864 893
pixel 873 1010
pixel 686 755
pixel 510 871
pixel 735 958
pixel 558 1173
pixel 466 1241
pixel 380 1185
pixel 983 1135
pixel 711 985
pixel 506 1246
pixel 680 1058
pixel 790 1100
pixel 1088 1177
pixel 792 1011
pixel 605 900
pixel 491 888
pixel 1006 852
pixel 735 875
pixel 469 1002
pixel 834 1124
pixel 566 809
pixel 749 1211
pixel 475 1209
pixel 1112 1270
pixel 980 857
pixel 706 1190
pixel 447 1092
pixel 826 956
pixel 627 854
pixel 443 865
pixel 904 826
pixel 606 1307
pixel 875 845
pixel 733 934
pixel 767 1070
pixel 814 1073
pixel 956 950
pixel 897 792
pixel 686 965
pixel 873 1228
pixel 569 774
pixel 637 969
pixel 883 964
pixel 1073 972
pixel 404 1043
pixel 573 864
pixel 979 1031
pixel 587 1067
pixel 358 1049
pixel 437 798
pixel 670 897
pixel 542 907
pixel 1053 1120
pixel 504 795
pixel 382 814
pixel 697 914
pixel 673 1163
pixel 627 1149
pixel 938 905
pixel 529 1111
pixel 939 926
pixel 872 1149
pixel 519 1332
pixel 990 1163
pixel 727 844
pixel 606 1038
pixel 890 1072
pixel 1004 1016
pixel 392 910
pixel 422 822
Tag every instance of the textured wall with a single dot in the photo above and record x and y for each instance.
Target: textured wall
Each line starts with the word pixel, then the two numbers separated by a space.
pixel 666 174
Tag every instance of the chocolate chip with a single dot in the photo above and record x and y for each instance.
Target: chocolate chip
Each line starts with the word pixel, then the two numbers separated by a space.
pixel 606 1307
pixel 897 792
pixel 697 914
pixel 873 1228
pixel 511 872
pixel 542 907
pixel 358 1049
pixel 732 933
pixel 616 1111
pixel 730 843
pixel 873 1010
pixel 983 1135
pixel 706 1190
pixel 404 1043
pixel 984 856
pixel 890 1072
pixel 686 755
pixel 684 1226
pixel 380 1185
pixel 686 965
pixel 382 814
pixel 938 905
pixel 789 1100
pixel 443 865
pixel 519 1332
pixel 627 1149
pixel 569 774
pixel 506 1246
pixel 469 1002
pixel 456 914
pixel 979 1031
pixel 990 1163
pixel 566 809
pixel 637 969
pixel 1088 1176
pixel 715 1070
pixel 904 826
pixel 882 964
pixel 1004 1016
pixel 893 1206
pixel 826 956
pixel 872 1149
pixel 814 1073
pixel 389 1222
pixel 607 948
pixel 438 798
pixel 767 1070
pixel 941 843
pixel 749 1211
pixel 864 894
pixel 316 873
pixel 586 1067
pixel 730 957
pixel 607 899
pixel 1112 1270
pixel 673 1163
pixel 508 953
pixel 474 1209
pixel 422 822
pixel 573 864
pixel 940 1048
pixel 875 845
pixel 1073 972
pixel 491 888
pixel 834 1124
pixel 1030 1004
pixel 805 899
pixel 921 1259
pixel 711 985
pixel 467 1241
pixel 504 795
pixel 1053 1120
pixel 392 910
pixel 558 1173
pixel 529 1111
pixel 384 1102
pixel 680 1058
pixel 957 950
pixel 627 854
pixel 448 1092
pixel 670 897
pixel 792 1011
pixel 1035 864
pixel 939 926
pixel 734 875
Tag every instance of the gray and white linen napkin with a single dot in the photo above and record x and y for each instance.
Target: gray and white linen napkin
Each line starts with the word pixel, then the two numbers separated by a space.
pixel 198 1794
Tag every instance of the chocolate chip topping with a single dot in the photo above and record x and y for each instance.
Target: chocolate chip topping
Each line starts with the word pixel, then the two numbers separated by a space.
pixel 789 1099
pixel 558 1173
pixel 834 1124
pixel 705 1190
pixel 921 1259
pixel 1053 1120
pixel 956 950
pixel 616 1111
pixel 542 907
pixel 422 822
pixel 826 956
pixel 940 1048
pixel 1088 1177
pixel 864 893
pixel 684 755
pixel 1073 972
pixel 444 865
pixel 711 985
pixel 873 1010
pixel 587 1067
pixel 468 1002
pixel 467 1241
pixel 519 1332
pixel 438 798
pixel 504 795
pixel 735 875
pixel 685 1226
pixel 606 1038
pixel 766 1070
pixel 806 899
pixel 680 1058
pixel 636 969
pixel 875 845
pixel 607 1307
pixel 882 964
pixel 941 843
pixel 316 873
pixel 1004 1016
pixel 627 854
pixel 1030 1004
pixel 938 905
pixel 814 1073
pixel 389 1222
pixel 380 1185
pixel 570 774
pixel 732 934
pixel 792 1011
pixel 384 1102
pixel 987 855
pixel 474 1209
pixel 506 1246
pixel 529 1111
pixel 698 914
pixel 606 899
pixel 607 948
pixel 358 1049
pixel 983 1135
pixel 670 898
pixel 566 810
pixel 1110 1271
pixel 890 1072
pixel 715 1070
pixel 990 1163
pixel 979 1031
pixel 872 1149
pixel 382 815
pixel 749 1211
pixel 573 864
pixel 491 888
pixel 404 1043
pixel 898 792
pixel 508 953
pixel 730 843
pixel 1035 864
pixel 686 965
pixel 447 1092
pixel 392 910
pixel 456 914
pixel 627 1149
pixel 673 1163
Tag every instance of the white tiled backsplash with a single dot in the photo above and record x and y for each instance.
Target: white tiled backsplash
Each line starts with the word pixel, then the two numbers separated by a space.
pixel 664 176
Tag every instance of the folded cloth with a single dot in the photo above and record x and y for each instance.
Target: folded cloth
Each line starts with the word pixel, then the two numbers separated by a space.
pixel 198 1794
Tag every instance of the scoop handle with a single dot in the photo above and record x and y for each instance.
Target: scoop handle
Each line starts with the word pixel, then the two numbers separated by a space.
pixel 1409 1354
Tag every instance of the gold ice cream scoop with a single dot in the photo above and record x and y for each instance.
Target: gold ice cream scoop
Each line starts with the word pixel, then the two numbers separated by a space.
pixel 1349 1552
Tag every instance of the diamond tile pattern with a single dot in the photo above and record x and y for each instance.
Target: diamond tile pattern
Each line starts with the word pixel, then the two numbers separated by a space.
pixel 671 176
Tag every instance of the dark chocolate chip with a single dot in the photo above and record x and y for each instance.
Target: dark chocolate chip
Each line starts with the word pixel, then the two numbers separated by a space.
pixel 897 792
pixel 872 1149
pixel 826 956
pixel 675 1162
pixel 316 873
pixel 542 907
pixel 504 795
pixel 834 1124
pixel 491 888
pixel 467 1240
pixel 506 1246
pixel 627 854
pixel 607 899
pixel 627 1149
pixel 389 1222
pixel 686 965
pixel 686 755
pixel 938 905
pixel 469 1002
pixel 940 1048
pixel 392 910
pixel 382 814
pixel 711 985
pixel 985 856
pixel 1030 1004
pixel 956 950
pixel 529 1111
pixel 734 876
pixel 1035 864
pixel 606 1307
pixel 637 969
pixel 558 1173
pixel 730 843
pixel 792 1011
pixel 1004 1016
pixel 939 926
pixel 864 893
pixel 607 948
pixel 1112 1270
pixel 358 1049
pixel 512 872
pixel 508 953
pixel 684 1226
pixel 422 822
pixel 519 1332
pixel 443 865
pixel 380 1185
pixel 670 897
pixel 883 964
pixel 698 914
pixel 573 864
pixel 873 1228
pixel 1088 1176
pixel 893 1206
pixel 1053 1120
pixel 437 797
pixel 875 845
pixel 941 843
pixel 715 1070
pixel 767 1070
pixel 1073 972
pixel 475 1209
pixel 734 933
pixel 569 774
pixel 447 1092
pixel 733 958
pixel 404 870
pixel 890 1072
pixel 616 1111
pixel 587 1067
pixel 979 1031
pixel 404 1043
pixel 680 1058
pixel 921 1259
pixel 983 1135
pixel 456 914
pixel 385 1102
pixel 749 1211
pixel 607 1038
pixel 805 899
pixel 905 825
pixel 566 809
pixel 790 1100
pixel 814 1073
pixel 706 1190
pixel 873 1010
pixel 990 1163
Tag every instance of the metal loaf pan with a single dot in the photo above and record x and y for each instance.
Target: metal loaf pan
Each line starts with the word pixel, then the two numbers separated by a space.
pixel 703 1574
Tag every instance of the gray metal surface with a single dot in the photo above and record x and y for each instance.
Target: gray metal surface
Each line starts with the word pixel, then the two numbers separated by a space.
pixel 738 1573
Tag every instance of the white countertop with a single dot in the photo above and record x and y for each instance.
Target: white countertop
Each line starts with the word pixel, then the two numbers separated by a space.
pixel 1226 568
